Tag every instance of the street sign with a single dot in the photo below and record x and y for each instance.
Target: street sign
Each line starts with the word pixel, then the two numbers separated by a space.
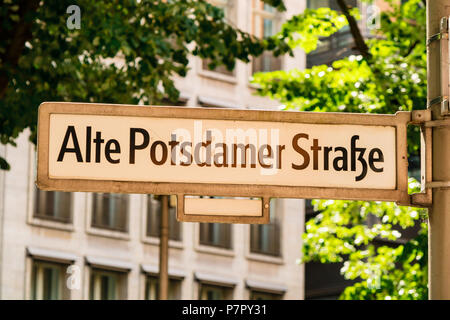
pixel 221 152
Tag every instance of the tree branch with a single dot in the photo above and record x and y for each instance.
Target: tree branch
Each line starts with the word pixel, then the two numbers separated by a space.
pixel 361 45
pixel 21 34
pixel 411 48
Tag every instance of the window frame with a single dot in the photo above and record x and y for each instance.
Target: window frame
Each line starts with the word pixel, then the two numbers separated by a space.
pixel 220 72
pixel 268 295
pixel 122 197
pixel 199 247
pixel 121 282
pixel 174 290
pixel 217 226
pixel 275 224
pixel 172 219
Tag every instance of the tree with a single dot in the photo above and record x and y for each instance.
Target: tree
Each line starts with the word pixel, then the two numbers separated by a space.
pixel 387 75
pixel 45 57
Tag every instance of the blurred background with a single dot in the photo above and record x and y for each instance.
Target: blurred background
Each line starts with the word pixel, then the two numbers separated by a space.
pixel 58 245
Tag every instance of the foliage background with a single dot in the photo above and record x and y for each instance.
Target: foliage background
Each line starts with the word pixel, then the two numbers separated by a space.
pixel 42 60
pixel 387 75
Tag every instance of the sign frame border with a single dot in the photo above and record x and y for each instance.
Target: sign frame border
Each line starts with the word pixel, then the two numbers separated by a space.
pixel 399 120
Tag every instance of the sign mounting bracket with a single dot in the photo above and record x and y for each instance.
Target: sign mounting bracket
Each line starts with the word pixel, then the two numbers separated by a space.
pixel 425 197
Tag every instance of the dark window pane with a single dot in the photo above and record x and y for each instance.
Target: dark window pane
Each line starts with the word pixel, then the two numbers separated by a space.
pixel 110 211
pixel 152 289
pixel 106 285
pixel 265 238
pixel 51 283
pixel 215 234
pixel 257 295
pixel 266 63
pixel 153 216
pixel 53 205
pixel 265 24
pixel 210 292
pixel 315 4
pixel 154 211
pixel 219 69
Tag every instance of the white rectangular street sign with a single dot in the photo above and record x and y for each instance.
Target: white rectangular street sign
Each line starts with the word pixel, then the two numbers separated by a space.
pixel 198 151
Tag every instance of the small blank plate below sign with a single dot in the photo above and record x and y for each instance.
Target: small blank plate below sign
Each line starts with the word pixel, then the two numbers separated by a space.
pixel 223 207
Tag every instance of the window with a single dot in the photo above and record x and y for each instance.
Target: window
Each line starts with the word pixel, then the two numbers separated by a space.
pixel 211 292
pixel 154 211
pixel 48 281
pixel 335 47
pixel 265 24
pixel 215 234
pixel 259 295
pixel 265 238
pixel 110 211
pixel 53 205
pixel 107 285
pixel 230 16
pixel 152 288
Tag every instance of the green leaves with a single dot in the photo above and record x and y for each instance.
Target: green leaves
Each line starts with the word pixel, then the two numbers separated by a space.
pixel 346 86
pixel 390 273
pixel 4 165
pixel 393 78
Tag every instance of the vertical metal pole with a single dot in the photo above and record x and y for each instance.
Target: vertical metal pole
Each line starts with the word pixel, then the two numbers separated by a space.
pixel 164 250
pixel 439 215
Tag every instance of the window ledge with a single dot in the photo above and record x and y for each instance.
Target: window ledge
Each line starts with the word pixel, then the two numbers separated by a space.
pixel 264 258
pixel 217 76
pixel 214 250
pixel 155 241
pixel 51 224
pixel 253 86
pixel 108 233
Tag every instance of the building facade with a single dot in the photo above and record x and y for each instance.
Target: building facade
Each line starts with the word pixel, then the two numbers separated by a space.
pixel 57 245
